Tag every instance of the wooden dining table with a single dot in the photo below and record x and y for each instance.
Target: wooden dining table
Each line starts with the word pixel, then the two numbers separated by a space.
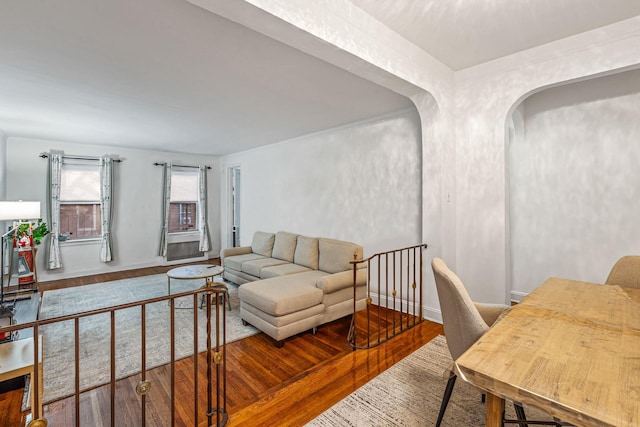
pixel 571 349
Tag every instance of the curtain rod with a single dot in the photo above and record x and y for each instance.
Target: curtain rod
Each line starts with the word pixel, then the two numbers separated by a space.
pixel 179 166
pixel 45 155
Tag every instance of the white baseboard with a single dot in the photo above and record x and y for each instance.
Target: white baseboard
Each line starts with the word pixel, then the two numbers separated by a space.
pixel 432 314
pixel 429 313
pixel 518 296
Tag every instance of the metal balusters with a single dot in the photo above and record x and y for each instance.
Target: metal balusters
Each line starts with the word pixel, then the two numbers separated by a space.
pixel 209 356
pixel 195 357
pixel 172 321
pixel 35 381
pixel 112 391
pixel 396 277
pixel 143 387
pixel 218 357
pixel 76 323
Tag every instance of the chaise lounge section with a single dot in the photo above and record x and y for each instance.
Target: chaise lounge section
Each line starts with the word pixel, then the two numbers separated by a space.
pixel 292 283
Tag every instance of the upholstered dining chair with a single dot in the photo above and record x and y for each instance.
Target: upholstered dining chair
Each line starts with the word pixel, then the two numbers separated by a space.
pixel 625 272
pixel 464 323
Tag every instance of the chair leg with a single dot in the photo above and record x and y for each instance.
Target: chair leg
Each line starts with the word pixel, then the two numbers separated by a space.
pixel 445 398
pixel 520 413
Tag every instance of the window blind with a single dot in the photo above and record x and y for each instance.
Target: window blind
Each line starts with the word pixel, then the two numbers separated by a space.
pixel 184 186
pixel 80 183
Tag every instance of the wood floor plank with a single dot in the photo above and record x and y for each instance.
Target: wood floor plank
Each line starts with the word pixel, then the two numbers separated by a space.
pixel 10 403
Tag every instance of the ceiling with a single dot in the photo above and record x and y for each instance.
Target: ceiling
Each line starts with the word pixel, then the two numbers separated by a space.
pixel 167 75
pixel 464 33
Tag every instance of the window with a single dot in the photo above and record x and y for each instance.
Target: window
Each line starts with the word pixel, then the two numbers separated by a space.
pixel 183 206
pixel 80 202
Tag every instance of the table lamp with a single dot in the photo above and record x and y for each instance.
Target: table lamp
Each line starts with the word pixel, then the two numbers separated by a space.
pixel 13 211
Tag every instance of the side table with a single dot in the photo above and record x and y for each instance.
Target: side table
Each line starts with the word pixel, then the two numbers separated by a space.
pixel 16 359
pixel 199 271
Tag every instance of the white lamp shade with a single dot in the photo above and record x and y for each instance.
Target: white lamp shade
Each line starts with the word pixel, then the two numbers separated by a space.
pixel 19 210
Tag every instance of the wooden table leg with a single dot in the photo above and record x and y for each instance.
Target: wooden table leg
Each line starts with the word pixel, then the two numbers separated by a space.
pixel 495 409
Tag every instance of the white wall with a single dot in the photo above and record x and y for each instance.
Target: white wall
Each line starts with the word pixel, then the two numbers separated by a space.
pixel 3 182
pixel 3 166
pixel 137 203
pixel 485 97
pixel 464 123
pixel 574 181
pixel 360 183
pixel 465 198
pixel 342 34
pixel 465 180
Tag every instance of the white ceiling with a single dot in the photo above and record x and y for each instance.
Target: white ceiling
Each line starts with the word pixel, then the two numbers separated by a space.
pixel 464 33
pixel 167 75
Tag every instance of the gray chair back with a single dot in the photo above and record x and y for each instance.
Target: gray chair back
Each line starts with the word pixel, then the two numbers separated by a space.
pixel 625 272
pixel 461 320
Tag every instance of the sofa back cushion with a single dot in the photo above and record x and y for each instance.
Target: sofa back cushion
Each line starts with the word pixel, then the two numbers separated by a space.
pixel 307 252
pixel 284 246
pixel 262 243
pixel 336 255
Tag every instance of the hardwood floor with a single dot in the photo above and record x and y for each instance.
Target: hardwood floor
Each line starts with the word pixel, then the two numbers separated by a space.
pixel 309 394
pixel 265 385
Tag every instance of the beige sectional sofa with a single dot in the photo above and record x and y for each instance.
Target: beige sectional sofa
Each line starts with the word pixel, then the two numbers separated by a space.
pixel 292 283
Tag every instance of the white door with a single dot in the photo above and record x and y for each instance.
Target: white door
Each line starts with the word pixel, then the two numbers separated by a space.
pixel 235 206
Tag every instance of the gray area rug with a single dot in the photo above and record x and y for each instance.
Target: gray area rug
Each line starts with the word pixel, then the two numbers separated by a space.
pixel 95 339
pixel 409 394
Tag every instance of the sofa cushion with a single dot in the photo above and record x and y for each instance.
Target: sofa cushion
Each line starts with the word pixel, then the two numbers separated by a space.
pixel 262 243
pixel 280 321
pixel 307 252
pixel 236 261
pixel 284 246
pixel 336 255
pixel 239 250
pixel 254 266
pixel 343 280
pixel 343 295
pixel 282 270
pixel 281 327
pixel 237 277
pixel 283 295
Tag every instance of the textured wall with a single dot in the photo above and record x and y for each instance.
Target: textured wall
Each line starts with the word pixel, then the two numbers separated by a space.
pixel 3 167
pixel 574 180
pixel 485 98
pixel 467 186
pixel 360 183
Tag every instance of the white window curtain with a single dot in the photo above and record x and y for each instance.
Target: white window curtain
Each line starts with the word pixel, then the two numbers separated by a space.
pixel 202 199
pixel 106 203
pixel 54 260
pixel 166 201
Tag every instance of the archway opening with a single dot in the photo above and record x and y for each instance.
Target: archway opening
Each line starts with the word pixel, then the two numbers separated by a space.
pixel 572 172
